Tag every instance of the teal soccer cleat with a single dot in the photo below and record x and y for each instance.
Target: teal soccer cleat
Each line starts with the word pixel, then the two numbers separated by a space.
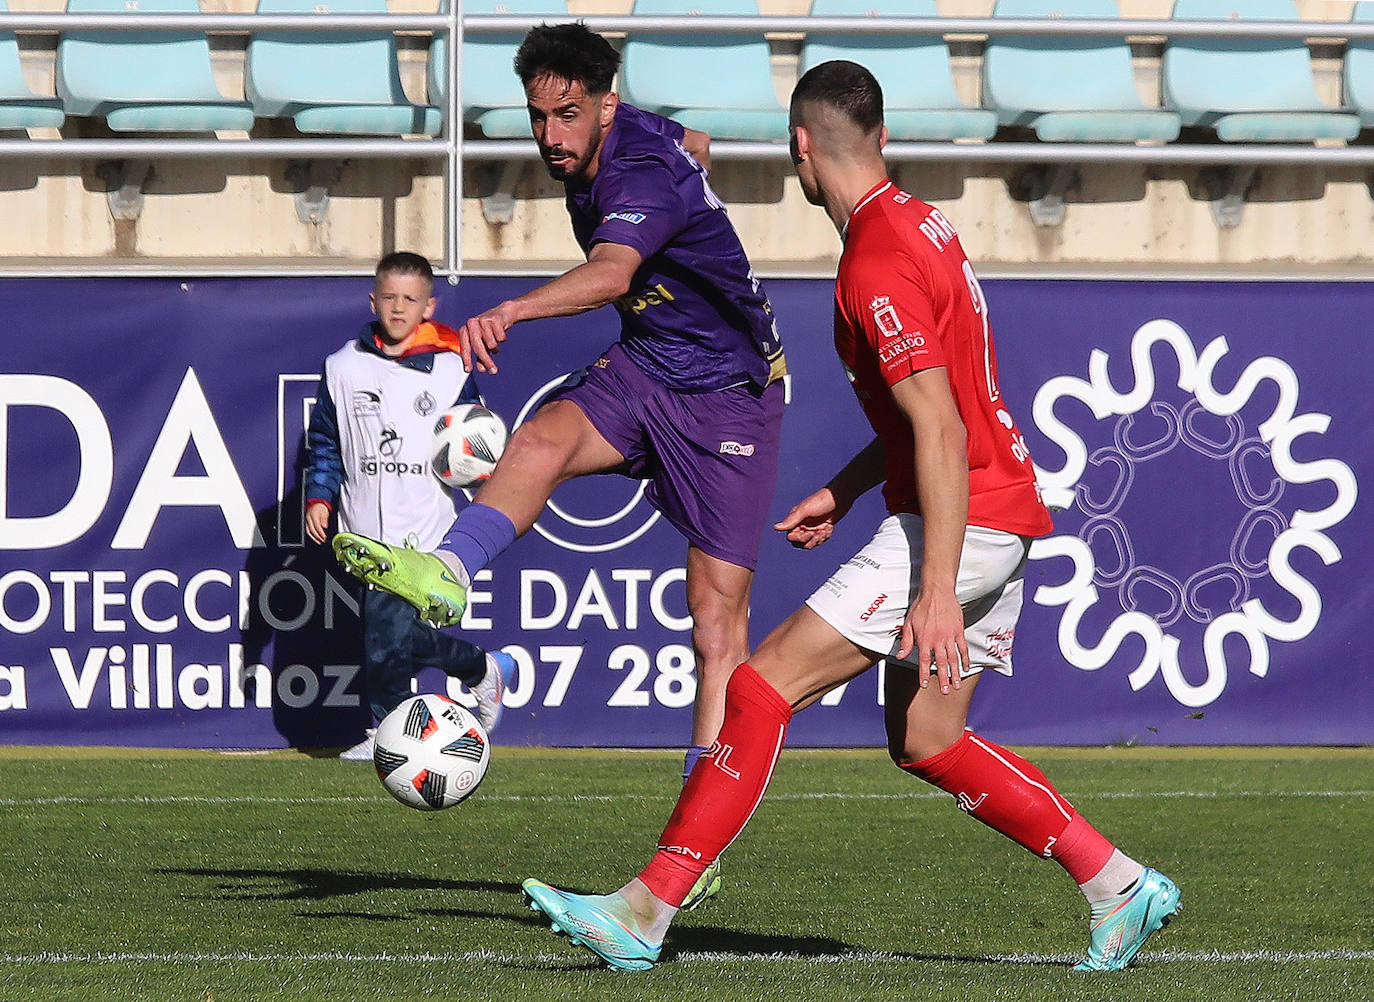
pixel 421 579
pixel 1129 921
pixel 587 923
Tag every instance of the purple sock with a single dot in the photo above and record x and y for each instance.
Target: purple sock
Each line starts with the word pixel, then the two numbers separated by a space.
pixel 689 761
pixel 478 534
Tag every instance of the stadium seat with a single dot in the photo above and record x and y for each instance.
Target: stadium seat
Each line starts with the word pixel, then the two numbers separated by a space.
pixel 721 84
pixel 1248 90
pixel 338 83
pixel 1067 88
pixel 492 96
pixel 1359 68
pixel 21 108
pixel 919 101
pixel 144 81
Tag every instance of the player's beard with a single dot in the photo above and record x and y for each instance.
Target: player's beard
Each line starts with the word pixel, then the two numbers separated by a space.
pixel 562 169
pixel 575 167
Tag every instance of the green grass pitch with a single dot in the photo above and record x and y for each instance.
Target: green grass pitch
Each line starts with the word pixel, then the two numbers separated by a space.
pixel 147 875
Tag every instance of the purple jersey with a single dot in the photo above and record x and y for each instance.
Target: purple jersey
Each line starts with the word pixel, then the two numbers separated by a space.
pixel 695 317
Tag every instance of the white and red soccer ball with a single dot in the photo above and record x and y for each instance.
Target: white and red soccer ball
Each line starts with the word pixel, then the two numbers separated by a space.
pixel 468 440
pixel 430 752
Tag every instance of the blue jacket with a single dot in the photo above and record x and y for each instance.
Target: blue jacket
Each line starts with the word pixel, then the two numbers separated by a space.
pixel 368 442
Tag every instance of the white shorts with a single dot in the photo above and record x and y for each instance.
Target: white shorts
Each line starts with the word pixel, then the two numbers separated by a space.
pixel 868 597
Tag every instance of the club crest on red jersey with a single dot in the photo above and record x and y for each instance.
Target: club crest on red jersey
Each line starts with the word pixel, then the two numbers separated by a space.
pixel 885 316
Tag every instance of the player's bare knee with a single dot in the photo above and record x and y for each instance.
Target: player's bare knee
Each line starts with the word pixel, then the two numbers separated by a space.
pixel 908 750
pixel 903 755
pixel 718 645
pixel 720 632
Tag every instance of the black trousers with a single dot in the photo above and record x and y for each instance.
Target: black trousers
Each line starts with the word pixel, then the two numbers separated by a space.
pixel 396 644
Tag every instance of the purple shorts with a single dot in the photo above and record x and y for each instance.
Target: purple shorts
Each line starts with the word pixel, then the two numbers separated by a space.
pixel 711 458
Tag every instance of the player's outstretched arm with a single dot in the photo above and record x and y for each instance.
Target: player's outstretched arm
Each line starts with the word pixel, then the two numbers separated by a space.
pixel 606 276
pixel 698 144
pixel 934 625
pixel 812 519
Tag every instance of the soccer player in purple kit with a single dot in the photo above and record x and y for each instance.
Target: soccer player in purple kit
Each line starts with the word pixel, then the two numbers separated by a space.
pixel 690 398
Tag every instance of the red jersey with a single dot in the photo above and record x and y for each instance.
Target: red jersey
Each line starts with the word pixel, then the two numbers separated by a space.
pixel 906 299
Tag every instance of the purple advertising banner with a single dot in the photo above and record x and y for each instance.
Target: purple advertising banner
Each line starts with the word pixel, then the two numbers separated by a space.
pixel 1203 444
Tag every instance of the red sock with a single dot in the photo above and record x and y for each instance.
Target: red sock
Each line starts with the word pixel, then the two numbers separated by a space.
pixel 1012 796
pixel 1082 849
pixel 724 789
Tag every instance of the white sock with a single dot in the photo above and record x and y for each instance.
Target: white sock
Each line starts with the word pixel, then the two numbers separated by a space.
pixel 452 562
pixel 650 913
pixel 1118 875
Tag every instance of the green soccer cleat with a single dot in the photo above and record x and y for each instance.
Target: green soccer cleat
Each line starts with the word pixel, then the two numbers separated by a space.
pixel 1118 935
pixel 586 923
pixel 421 579
pixel 706 887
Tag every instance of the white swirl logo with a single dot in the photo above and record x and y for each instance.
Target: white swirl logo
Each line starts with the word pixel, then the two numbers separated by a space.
pixel 1245 593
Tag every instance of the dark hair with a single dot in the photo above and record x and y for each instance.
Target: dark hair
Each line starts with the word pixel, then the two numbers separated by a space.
pixel 405 263
pixel 847 87
pixel 571 52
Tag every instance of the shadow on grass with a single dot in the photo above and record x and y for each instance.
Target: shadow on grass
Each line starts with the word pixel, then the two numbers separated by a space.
pixel 695 939
pixel 314 884
pixel 310 884
pixel 723 943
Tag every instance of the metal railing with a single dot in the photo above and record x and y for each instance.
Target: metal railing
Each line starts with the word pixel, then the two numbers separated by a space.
pixel 945 26
pixel 454 150
pixel 449 147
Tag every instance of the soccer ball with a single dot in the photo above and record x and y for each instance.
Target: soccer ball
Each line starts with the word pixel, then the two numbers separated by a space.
pixel 468 440
pixel 430 752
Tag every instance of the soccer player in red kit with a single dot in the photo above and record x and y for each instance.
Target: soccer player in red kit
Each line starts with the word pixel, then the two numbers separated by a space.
pixel 936 592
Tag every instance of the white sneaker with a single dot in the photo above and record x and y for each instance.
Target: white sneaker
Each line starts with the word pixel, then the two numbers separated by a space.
pixel 492 689
pixel 362 751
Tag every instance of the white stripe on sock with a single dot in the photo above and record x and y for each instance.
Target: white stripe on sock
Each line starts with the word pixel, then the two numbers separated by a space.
pixel 1060 804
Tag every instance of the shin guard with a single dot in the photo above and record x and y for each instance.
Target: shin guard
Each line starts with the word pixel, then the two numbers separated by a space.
pixel 1000 789
pixel 724 789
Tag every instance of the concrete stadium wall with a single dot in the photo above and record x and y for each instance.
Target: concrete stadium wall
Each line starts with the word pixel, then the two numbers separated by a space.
pixel 200 213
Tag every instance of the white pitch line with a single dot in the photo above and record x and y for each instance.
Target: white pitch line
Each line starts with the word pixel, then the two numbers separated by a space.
pixel 579 798
pixel 1101 795
pixel 340 799
pixel 705 957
